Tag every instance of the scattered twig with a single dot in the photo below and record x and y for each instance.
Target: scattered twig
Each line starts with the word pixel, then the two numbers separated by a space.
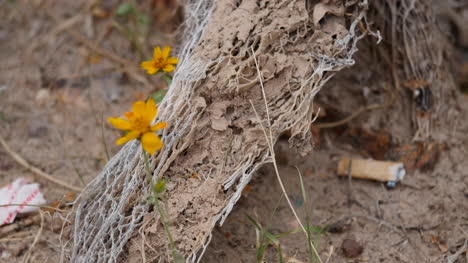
pixel 34 169
pixel 57 30
pixel 127 66
pixel 355 114
pixel 352 116
pixel 3 240
pixel 6 230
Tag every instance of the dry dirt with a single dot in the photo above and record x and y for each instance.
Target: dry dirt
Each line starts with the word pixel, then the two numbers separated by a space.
pixel 56 92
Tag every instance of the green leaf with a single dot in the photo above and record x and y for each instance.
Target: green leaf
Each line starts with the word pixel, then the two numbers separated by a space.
pixel 158 95
pixel 254 222
pixel 2 116
pixel 142 19
pixel 272 238
pixel 294 231
pixel 280 254
pixel 125 9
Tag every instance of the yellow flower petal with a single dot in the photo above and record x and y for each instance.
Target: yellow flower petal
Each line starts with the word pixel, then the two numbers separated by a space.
pixel 166 52
pixel 158 126
pixel 128 137
pixel 172 60
pixel 157 53
pixel 139 108
pixel 147 65
pixel 168 68
pixel 151 142
pixel 151 110
pixel 120 123
pixel 150 67
pixel 130 116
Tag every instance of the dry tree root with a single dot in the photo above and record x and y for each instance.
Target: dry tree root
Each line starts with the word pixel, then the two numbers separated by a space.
pixel 214 141
pixel 415 51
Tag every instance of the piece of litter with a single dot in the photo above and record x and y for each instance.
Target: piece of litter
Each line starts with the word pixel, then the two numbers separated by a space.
pixel 19 192
pixel 383 171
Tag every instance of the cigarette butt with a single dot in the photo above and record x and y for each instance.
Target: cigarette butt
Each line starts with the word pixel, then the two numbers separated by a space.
pixel 382 171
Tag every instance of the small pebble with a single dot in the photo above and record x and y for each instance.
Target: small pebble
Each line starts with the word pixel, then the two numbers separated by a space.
pixel 42 96
pixel 351 248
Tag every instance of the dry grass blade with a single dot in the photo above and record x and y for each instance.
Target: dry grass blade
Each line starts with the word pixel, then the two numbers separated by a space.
pixel 272 152
pixel 40 206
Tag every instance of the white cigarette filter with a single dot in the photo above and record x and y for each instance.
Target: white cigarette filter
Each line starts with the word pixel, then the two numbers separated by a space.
pixel 382 171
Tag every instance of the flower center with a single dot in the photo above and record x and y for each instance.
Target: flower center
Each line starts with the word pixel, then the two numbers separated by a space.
pixel 159 62
pixel 140 125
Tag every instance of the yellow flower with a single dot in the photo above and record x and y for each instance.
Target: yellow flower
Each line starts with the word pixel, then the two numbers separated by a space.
pixel 138 125
pixel 161 61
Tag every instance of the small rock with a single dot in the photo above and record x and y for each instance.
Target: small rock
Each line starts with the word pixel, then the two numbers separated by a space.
pixel 351 248
pixel 219 124
pixel 42 96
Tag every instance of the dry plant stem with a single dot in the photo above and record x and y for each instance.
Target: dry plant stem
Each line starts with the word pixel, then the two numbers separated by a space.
pixel 272 152
pixel 36 239
pixel 16 239
pixel 34 169
pixel 40 206
pixel 158 207
pixel 352 116
pixel 330 253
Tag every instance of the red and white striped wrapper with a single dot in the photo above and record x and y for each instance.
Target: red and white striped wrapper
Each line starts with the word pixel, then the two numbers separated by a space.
pixel 19 192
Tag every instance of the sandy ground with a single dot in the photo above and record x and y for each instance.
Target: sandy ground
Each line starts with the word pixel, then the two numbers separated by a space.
pixel 421 220
pixel 56 91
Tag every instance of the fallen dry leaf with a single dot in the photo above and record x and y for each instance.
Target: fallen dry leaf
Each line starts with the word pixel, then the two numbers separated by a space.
pixel 374 144
pixel 429 157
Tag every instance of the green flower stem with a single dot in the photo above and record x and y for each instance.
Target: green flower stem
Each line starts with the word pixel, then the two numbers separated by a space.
pixel 155 201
